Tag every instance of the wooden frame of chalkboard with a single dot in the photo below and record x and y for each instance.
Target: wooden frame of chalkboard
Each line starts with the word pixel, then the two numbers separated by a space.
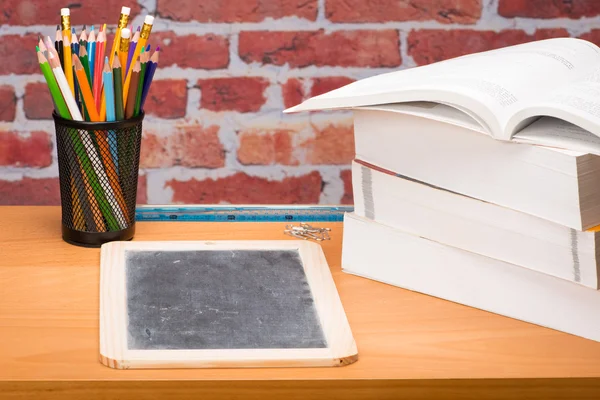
pixel 340 347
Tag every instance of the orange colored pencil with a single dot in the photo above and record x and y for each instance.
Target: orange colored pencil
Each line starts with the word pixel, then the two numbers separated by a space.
pixel 86 91
pixel 112 174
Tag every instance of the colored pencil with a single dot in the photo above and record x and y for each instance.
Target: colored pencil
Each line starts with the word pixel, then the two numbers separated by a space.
pixel 43 47
pixel 123 19
pixel 58 45
pixel 78 220
pixel 135 78
pixel 74 50
pixel 50 47
pixel 99 67
pixel 83 57
pixel 124 47
pixel 61 80
pixel 118 81
pixel 150 69
pixel 107 77
pixel 91 49
pixel 65 15
pixel 144 35
pixel 74 43
pixel 84 85
pixel 59 101
pixel 138 96
pixel 132 46
pixel 83 37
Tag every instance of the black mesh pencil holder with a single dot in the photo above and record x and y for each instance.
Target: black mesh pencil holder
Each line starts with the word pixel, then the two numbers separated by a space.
pixel 98 171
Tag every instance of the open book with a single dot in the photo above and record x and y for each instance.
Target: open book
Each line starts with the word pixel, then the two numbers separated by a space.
pixel 545 92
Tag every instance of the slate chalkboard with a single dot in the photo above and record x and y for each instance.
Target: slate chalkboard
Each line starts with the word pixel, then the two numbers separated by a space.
pixel 234 299
pixel 220 304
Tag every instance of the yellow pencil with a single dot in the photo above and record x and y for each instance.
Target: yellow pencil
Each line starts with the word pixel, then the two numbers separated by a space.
pixel 144 35
pixel 124 47
pixel 65 21
pixel 123 20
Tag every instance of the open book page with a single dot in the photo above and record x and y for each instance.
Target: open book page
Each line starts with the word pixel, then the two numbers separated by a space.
pixel 577 103
pixel 434 111
pixel 493 85
pixel 553 132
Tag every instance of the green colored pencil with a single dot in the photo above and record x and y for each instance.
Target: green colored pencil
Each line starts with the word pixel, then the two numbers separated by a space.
pixel 118 78
pixel 86 163
pixel 138 98
pixel 59 101
pixel 83 57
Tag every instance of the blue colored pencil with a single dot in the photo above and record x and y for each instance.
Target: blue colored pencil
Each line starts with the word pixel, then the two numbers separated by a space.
pixel 91 49
pixel 150 69
pixel 109 92
pixel 75 50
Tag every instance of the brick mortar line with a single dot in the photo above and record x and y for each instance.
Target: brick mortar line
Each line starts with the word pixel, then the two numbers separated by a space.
pixel 205 118
pixel 272 171
pixel 253 70
pixel 186 173
pixel 495 23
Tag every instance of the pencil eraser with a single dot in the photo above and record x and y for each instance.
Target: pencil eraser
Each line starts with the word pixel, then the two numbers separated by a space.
pixel 125 33
pixel 149 19
pixel 125 10
pixel 65 11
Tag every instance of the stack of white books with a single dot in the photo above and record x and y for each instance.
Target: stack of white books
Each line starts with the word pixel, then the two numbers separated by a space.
pixel 477 180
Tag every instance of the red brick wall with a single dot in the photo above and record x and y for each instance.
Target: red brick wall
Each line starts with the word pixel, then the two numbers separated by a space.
pixel 215 132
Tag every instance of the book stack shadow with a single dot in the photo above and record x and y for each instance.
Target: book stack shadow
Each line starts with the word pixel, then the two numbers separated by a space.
pixel 480 184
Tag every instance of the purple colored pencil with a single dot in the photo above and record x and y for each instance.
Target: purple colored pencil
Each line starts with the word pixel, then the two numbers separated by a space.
pixel 132 46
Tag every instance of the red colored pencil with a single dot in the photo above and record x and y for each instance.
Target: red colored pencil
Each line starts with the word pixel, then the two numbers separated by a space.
pixel 100 48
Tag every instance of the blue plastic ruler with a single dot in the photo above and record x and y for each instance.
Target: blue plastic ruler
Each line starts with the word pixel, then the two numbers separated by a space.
pixel 227 213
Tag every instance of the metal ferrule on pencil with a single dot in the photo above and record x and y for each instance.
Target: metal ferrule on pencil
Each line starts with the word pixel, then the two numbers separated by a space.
pixel 65 22
pixel 124 44
pixel 146 29
pixel 123 20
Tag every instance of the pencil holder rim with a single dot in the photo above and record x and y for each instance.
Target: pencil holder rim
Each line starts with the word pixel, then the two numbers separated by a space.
pixel 99 126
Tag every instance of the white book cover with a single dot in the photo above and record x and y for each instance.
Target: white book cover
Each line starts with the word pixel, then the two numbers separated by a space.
pixel 474 225
pixel 557 185
pixel 391 256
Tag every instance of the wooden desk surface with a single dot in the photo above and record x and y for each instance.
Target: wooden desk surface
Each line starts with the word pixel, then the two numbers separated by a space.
pixel 408 343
